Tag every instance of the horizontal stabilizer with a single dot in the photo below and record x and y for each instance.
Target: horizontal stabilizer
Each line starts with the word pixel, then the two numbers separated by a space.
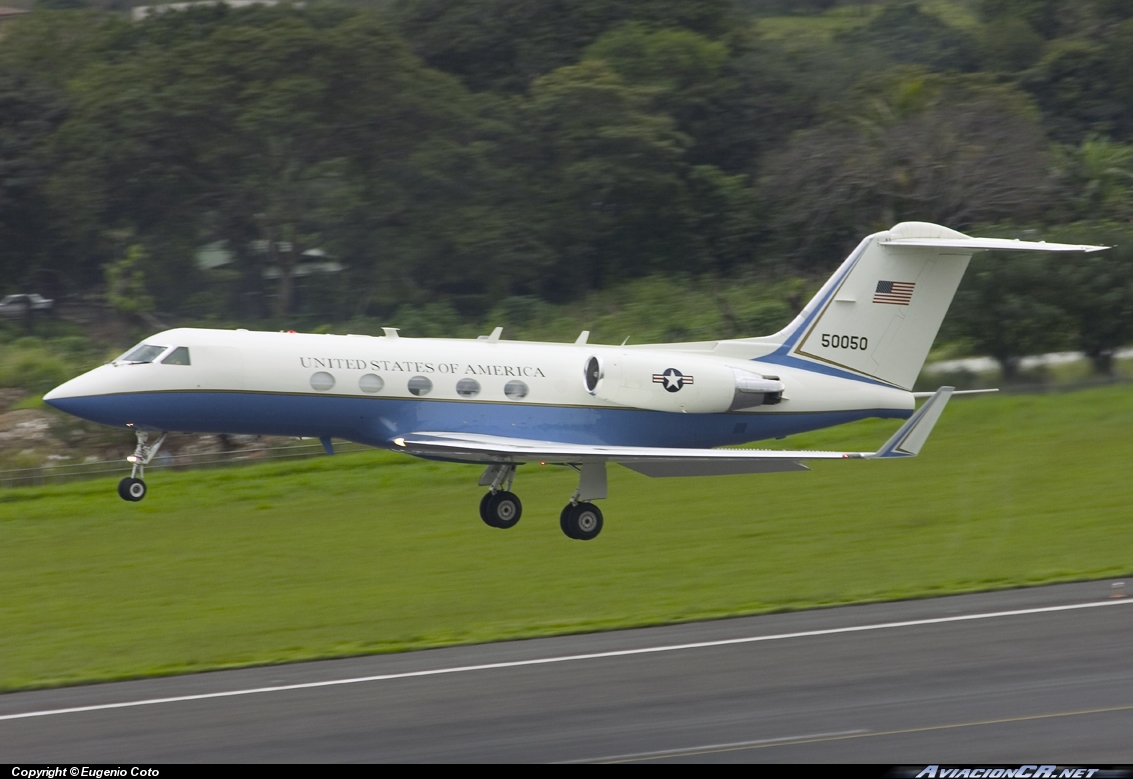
pixel 986 244
pixel 923 395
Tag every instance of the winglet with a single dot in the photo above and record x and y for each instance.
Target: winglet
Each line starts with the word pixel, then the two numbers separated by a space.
pixel 909 439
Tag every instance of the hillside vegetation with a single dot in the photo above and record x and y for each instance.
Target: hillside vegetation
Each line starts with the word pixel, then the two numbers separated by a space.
pixel 420 163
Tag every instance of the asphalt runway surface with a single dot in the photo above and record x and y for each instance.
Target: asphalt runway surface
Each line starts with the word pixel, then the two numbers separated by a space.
pixel 1036 675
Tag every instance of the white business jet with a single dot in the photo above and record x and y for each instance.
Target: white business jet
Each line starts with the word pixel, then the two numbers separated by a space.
pixel 662 410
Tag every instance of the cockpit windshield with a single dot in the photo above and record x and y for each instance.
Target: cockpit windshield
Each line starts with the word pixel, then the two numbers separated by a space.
pixel 142 353
pixel 179 356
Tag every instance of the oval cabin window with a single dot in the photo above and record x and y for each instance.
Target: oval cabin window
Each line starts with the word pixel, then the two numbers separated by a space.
pixel 322 381
pixel 468 388
pixel 420 386
pixel 371 383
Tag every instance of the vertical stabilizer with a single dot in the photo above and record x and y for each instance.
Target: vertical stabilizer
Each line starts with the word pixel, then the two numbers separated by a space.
pixel 877 316
pixel 879 313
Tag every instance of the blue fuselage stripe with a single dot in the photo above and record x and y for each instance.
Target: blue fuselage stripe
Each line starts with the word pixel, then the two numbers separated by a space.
pixel 376 421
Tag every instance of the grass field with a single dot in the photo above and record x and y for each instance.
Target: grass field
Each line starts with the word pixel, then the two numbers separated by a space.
pixel 376 552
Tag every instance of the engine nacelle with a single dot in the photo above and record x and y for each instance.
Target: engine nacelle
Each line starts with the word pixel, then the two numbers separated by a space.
pixel 670 381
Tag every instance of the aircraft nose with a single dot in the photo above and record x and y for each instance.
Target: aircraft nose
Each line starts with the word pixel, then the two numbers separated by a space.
pixel 66 394
pixel 60 392
pixel 57 398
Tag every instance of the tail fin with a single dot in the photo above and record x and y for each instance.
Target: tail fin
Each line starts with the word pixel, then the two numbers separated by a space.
pixel 879 313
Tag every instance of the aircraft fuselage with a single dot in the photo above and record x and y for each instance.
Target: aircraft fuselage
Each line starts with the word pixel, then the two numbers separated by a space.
pixel 373 389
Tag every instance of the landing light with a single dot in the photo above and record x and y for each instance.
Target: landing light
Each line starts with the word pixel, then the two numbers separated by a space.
pixel 131 459
pixel 399 441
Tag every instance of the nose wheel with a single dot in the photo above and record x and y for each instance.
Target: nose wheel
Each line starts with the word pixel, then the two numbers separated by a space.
pixel 132 488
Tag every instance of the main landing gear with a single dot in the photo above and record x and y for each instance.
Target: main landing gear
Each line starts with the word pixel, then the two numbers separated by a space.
pixel 500 507
pixel 132 488
pixel 580 519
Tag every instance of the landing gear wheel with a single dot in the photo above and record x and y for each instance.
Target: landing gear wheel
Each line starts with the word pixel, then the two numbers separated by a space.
pixel 501 509
pixel 564 522
pixel 131 489
pixel 581 521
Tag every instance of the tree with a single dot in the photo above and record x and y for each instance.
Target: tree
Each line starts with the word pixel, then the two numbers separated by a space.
pixel 734 97
pixel 1006 308
pixel 1097 177
pixel 618 195
pixel 909 36
pixel 29 114
pixel 126 286
pixel 505 45
pixel 1096 291
pixel 1074 85
pixel 952 150
pixel 256 127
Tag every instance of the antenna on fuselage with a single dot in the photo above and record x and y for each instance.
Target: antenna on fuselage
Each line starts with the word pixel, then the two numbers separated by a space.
pixel 391 332
pixel 582 337
pixel 493 338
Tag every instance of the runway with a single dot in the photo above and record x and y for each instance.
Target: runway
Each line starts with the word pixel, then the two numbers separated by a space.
pixel 1042 674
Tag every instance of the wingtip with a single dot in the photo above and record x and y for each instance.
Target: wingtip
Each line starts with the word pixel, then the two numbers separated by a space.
pixel 911 436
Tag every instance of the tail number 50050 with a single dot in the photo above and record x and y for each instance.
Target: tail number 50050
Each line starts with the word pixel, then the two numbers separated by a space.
pixel 845 341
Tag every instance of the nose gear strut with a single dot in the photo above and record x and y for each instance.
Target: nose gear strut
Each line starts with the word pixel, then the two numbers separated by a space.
pixel 132 488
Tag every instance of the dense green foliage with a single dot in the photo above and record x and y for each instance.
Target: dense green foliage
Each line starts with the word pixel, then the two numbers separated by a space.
pixel 463 157
pixel 307 559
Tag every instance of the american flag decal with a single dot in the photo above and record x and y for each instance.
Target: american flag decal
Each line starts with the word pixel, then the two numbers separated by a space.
pixel 896 293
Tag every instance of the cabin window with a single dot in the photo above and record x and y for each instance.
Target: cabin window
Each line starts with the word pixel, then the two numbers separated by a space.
pixel 468 388
pixel 516 390
pixel 322 381
pixel 142 353
pixel 179 356
pixel 419 386
pixel 371 383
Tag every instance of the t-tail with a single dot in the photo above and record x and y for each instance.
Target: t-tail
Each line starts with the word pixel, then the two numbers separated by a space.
pixel 878 315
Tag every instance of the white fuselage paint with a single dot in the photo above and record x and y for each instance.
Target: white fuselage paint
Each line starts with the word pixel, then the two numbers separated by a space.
pixel 264 362
pixel 326 386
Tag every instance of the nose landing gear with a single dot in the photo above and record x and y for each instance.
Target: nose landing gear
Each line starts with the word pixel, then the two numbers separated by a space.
pixel 132 488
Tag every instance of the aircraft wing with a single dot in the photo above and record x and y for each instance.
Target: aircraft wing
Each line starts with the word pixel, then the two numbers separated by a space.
pixel 658 461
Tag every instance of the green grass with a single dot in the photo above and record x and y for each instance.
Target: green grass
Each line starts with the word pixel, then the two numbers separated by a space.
pixel 374 552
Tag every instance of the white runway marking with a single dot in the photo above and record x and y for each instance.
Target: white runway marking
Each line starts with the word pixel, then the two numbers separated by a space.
pixel 564 659
pixel 693 751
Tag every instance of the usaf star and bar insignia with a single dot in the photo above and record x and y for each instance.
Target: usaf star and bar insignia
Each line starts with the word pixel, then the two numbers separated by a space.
pixel 672 379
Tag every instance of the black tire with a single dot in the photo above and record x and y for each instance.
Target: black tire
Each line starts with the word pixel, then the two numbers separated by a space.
pixel 484 509
pixel 131 489
pixel 503 509
pixel 582 522
pixel 564 520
